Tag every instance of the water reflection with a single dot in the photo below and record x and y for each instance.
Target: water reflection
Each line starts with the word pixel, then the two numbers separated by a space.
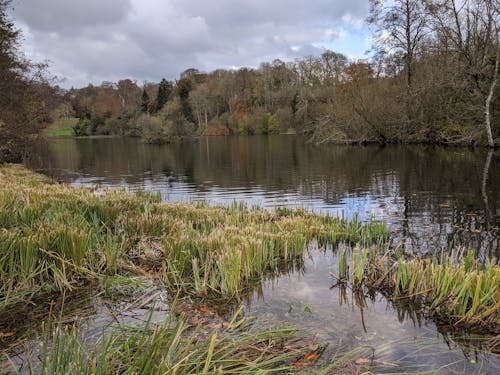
pixel 433 198
pixel 395 336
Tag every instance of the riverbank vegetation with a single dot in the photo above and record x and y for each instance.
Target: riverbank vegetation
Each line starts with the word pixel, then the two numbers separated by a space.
pixel 432 78
pixel 172 347
pixel 55 239
pixel 454 289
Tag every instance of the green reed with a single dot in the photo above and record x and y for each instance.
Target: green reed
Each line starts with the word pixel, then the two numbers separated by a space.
pixel 54 237
pixel 458 291
pixel 170 347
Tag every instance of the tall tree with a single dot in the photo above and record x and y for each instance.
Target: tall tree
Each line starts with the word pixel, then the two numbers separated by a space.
pixel 24 93
pixel 184 87
pixel 401 26
pixel 164 91
pixel 145 101
pixel 470 31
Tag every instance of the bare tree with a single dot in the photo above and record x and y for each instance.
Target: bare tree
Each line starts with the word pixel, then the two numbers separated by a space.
pixel 470 29
pixel 401 26
pixel 25 95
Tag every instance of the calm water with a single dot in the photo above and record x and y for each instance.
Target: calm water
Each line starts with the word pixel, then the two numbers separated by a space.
pixel 432 199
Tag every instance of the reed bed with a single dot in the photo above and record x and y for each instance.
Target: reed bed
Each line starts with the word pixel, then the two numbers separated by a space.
pixel 456 290
pixel 170 347
pixel 54 238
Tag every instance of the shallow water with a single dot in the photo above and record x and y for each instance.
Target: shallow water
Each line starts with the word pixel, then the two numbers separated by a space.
pixel 392 340
pixel 432 199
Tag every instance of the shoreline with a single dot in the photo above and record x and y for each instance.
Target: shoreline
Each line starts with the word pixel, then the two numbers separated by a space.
pixel 196 251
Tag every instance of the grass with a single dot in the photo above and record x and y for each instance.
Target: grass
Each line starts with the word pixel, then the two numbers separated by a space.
pixel 61 128
pixel 54 238
pixel 171 347
pixel 456 290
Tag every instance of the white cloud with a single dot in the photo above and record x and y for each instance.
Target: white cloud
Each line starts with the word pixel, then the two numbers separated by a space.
pixel 95 40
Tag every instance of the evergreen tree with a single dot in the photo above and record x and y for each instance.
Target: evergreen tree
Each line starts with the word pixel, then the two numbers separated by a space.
pixel 145 102
pixel 164 91
pixel 184 87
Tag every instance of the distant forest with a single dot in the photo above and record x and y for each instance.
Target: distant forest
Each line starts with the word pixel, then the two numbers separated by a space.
pixel 432 78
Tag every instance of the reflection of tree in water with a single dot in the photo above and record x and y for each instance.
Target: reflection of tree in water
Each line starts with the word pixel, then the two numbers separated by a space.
pixel 434 197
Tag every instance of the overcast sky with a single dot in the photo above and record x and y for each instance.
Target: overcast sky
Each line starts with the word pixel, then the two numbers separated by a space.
pixel 97 40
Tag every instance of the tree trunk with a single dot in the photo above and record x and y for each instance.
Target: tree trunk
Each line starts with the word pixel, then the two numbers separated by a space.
pixel 484 190
pixel 487 122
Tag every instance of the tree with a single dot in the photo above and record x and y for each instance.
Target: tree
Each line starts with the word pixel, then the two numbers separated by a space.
pixel 401 25
pixel 470 32
pixel 129 94
pixel 164 91
pixel 333 65
pixel 184 87
pixel 25 95
pixel 145 101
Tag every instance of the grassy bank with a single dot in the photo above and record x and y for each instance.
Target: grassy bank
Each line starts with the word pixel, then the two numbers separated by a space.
pixel 61 128
pixel 53 238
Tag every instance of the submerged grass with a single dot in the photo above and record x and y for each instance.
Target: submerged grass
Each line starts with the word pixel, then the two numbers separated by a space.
pixel 457 290
pixel 55 238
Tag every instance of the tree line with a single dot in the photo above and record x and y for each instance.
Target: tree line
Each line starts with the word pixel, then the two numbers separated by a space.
pixel 432 78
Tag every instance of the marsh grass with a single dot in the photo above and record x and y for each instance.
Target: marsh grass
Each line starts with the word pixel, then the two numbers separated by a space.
pixel 56 238
pixel 456 290
pixel 171 347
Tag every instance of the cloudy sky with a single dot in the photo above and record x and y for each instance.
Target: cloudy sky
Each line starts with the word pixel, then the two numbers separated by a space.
pixel 96 40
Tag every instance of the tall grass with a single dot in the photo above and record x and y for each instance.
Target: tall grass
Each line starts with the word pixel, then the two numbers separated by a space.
pixel 53 237
pixel 172 347
pixel 455 290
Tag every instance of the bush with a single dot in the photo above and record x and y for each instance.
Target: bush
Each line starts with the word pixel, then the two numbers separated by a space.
pixel 283 120
pixel 246 125
pixel 152 129
pixel 83 127
pixel 112 126
pixel 216 130
pixel 174 121
pixel 274 125
pixel 263 126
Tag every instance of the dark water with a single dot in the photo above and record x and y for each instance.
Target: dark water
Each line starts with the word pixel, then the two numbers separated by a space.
pixel 432 199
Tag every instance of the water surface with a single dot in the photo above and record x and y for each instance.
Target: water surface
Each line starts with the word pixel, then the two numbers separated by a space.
pixel 432 199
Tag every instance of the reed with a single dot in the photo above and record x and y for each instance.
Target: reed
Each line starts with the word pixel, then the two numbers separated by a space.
pixel 53 237
pixel 172 347
pixel 458 291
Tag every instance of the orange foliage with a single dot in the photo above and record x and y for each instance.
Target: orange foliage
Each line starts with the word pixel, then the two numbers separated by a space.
pixel 359 70
pixel 239 109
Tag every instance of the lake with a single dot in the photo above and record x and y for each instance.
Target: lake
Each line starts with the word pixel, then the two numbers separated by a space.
pixel 433 199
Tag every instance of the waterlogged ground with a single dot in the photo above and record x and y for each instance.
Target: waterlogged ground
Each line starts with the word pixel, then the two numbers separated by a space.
pixel 392 340
pixel 432 199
